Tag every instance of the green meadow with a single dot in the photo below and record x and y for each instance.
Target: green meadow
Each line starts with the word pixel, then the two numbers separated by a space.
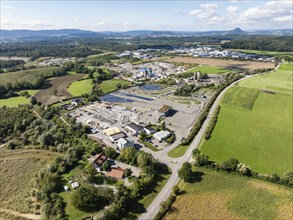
pixel 209 69
pixel 261 137
pixel 110 85
pixel 19 100
pixel 80 87
pixel 268 53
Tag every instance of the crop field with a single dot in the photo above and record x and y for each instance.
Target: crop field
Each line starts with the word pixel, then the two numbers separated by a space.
pixel 110 85
pixel 80 87
pixel 59 84
pixel 229 64
pixel 226 196
pixel 17 168
pixel 262 137
pixel 241 97
pixel 25 75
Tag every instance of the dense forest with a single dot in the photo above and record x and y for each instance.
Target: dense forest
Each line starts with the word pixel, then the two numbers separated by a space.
pixel 36 50
pixel 82 47
pixel 280 44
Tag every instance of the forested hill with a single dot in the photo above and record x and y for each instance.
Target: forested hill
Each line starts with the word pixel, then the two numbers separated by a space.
pixel 280 44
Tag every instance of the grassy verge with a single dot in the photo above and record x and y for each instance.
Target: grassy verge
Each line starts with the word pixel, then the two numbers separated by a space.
pixel 142 204
pixel 178 151
pixel 150 146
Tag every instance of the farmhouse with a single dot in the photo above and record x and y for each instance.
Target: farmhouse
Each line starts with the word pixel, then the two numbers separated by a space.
pixel 125 142
pixel 98 160
pixel 165 110
pixel 116 173
pixel 133 128
pixel 162 135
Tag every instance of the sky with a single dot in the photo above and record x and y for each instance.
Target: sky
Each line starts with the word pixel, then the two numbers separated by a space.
pixel 119 15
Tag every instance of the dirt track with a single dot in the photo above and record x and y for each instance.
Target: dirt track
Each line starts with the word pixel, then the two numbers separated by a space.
pixel 243 65
pixel 47 96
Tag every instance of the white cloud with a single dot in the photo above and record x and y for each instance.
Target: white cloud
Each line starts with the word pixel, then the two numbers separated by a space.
pixel 207 12
pixel 283 19
pixel 271 14
pixel 232 8
pixel 209 6
pixel 267 12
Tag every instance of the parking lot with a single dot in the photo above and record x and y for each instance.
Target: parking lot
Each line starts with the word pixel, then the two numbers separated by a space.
pixel 118 109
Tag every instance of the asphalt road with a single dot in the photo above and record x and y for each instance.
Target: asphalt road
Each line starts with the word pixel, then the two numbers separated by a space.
pixel 154 207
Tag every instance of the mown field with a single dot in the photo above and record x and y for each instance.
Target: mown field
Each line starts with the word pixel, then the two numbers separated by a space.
pixel 241 97
pixel 262 137
pixel 230 64
pixel 268 53
pixel 17 168
pixel 80 87
pixel 110 85
pixel 59 84
pixel 25 75
pixel 226 196
pixel 15 101
pixel 209 70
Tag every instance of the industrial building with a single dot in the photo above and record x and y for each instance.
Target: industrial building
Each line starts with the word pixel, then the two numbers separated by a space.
pixel 161 135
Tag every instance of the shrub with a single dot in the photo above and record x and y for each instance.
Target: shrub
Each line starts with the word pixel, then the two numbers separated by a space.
pixel 230 164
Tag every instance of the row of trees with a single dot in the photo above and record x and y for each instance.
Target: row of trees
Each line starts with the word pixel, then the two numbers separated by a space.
pixel 212 123
pixel 189 89
pixel 230 78
pixel 10 63
pixel 233 165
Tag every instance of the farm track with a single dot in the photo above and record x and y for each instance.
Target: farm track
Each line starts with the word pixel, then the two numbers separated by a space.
pixel 47 96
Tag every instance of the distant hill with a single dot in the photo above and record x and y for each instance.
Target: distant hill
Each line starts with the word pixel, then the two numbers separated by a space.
pixel 18 34
pixel 40 33
pixel 237 31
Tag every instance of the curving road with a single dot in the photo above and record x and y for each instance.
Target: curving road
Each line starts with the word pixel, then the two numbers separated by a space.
pixel 154 207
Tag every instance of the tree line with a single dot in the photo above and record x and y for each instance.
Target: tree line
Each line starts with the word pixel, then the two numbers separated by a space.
pixel 10 63
pixel 267 43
